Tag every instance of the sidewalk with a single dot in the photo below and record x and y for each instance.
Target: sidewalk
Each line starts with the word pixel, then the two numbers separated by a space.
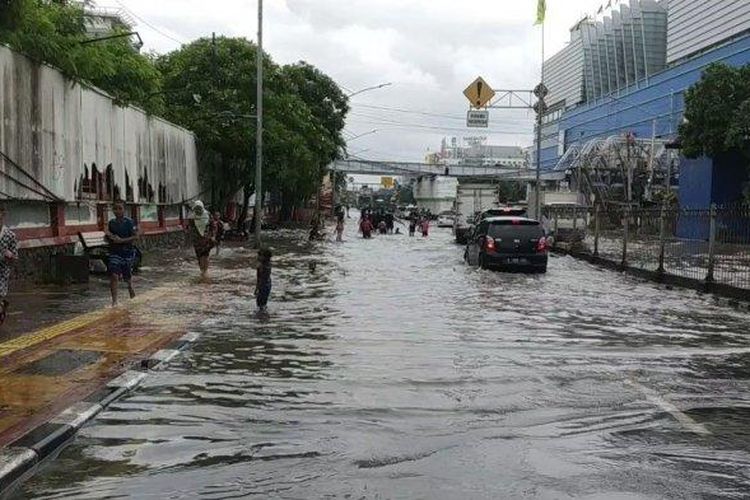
pixel 46 371
pixel 65 354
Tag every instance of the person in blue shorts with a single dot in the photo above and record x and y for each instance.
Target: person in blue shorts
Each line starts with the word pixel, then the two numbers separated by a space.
pixel 121 233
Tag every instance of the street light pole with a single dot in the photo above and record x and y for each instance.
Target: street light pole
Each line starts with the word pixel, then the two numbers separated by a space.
pixel 259 130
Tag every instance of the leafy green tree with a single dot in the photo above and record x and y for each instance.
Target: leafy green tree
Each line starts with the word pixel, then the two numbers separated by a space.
pixel 53 32
pixel 717 114
pixel 209 87
pixel 328 104
pixel 716 108
pixel 510 191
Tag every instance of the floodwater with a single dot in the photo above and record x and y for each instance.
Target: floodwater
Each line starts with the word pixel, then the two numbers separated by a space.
pixel 392 370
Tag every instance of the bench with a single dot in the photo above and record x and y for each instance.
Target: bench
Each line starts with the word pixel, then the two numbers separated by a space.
pixel 96 247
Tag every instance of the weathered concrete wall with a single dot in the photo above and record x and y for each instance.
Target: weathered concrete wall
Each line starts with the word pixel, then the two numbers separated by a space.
pixel 80 145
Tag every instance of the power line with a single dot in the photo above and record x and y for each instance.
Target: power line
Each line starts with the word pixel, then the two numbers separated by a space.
pixel 503 121
pixel 139 18
pixel 406 125
pixel 415 112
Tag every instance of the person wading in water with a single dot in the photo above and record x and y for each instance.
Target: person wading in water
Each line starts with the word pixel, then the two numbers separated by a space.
pixel 366 227
pixel 263 279
pixel 8 255
pixel 121 234
pixel 203 231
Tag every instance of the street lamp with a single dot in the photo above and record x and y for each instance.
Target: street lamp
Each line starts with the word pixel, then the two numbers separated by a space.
pixel 367 89
pixel 138 45
pixel 373 131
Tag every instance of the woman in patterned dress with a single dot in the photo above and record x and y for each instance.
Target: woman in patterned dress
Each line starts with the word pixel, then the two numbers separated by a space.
pixel 8 255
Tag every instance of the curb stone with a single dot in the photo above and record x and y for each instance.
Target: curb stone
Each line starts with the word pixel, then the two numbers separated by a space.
pixel 14 463
pixel 19 460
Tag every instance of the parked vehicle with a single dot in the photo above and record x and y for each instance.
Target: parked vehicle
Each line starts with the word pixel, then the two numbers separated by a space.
pixel 446 219
pixel 508 243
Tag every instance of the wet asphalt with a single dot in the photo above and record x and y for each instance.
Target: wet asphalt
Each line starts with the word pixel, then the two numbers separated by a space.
pixel 392 370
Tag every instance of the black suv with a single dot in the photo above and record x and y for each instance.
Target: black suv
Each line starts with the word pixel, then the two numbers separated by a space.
pixel 508 243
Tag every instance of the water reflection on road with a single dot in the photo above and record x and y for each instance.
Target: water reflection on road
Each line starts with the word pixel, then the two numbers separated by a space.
pixel 394 371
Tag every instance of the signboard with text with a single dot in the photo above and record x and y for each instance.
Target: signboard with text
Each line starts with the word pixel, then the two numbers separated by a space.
pixel 478 119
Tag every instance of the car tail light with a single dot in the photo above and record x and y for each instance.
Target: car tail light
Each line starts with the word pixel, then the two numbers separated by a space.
pixel 489 243
pixel 541 245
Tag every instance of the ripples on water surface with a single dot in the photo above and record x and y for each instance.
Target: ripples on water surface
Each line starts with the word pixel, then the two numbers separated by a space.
pixel 394 371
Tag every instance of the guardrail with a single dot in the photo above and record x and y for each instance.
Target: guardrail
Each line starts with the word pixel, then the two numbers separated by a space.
pixel 707 247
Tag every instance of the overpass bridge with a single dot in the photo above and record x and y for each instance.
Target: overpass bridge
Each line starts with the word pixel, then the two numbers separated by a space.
pixel 372 167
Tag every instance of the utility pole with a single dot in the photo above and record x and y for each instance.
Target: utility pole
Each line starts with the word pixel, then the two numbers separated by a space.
pixel 259 130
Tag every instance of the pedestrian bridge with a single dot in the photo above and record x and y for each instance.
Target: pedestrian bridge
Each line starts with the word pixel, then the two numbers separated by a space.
pixel 373 167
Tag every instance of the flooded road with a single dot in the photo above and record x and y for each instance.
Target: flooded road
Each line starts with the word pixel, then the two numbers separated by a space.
pixel 394 371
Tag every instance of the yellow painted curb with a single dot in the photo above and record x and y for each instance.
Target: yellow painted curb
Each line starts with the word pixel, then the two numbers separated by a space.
pixel 50 332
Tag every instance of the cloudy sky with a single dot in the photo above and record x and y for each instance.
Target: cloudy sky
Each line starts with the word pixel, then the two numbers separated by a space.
pixel 428 50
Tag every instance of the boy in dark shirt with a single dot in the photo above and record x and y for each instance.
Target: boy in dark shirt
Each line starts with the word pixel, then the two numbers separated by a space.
pixel 263 283
pixel 121 233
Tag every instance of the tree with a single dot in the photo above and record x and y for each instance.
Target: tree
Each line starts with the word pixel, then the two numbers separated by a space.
pixel 326 101
pixel 209 86
pixel 716 108
pixel 9 14
pixel 52 32
pixel 717 114
pixel 510 191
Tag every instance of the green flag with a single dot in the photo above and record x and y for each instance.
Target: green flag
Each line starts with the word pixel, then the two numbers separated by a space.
pixel 541 10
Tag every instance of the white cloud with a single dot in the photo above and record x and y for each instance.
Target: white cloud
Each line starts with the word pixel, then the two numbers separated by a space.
pixel 429 49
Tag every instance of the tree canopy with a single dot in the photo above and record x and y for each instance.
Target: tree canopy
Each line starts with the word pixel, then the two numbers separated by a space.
pixel 52 31
pixel 717 113
pixel 209 87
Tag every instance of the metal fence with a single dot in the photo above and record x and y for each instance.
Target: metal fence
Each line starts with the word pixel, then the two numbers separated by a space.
pixel 710 246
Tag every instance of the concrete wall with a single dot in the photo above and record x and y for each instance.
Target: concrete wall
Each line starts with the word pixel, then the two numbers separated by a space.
pixel 79 145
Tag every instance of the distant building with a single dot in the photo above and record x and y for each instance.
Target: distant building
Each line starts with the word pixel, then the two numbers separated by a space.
pixel 104 21
pixel 475 151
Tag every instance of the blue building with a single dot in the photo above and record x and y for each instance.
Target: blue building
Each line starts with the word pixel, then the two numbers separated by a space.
pixel 655 103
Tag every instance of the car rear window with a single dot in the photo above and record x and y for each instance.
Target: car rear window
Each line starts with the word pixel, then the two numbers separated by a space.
pixel 507 212
pixel 521 229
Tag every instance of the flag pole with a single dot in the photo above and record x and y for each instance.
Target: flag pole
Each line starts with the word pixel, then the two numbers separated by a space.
pixel 538 190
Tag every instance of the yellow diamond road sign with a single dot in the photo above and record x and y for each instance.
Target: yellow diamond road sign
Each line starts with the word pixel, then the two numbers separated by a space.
pixel 479 93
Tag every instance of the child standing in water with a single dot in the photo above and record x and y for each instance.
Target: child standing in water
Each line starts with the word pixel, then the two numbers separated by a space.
pixel 263 282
